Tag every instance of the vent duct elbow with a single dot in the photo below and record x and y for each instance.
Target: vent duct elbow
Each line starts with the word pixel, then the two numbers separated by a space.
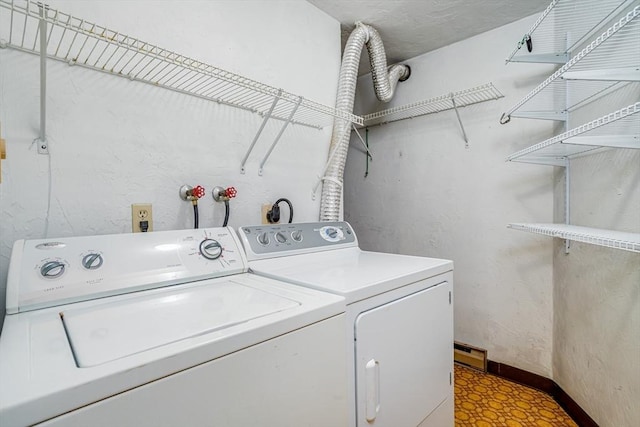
pixel 385 80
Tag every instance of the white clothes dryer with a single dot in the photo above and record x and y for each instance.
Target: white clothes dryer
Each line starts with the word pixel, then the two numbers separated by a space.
pixel 399 317
pixel 165 329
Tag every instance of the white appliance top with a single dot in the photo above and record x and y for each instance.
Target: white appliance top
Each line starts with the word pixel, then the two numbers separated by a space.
pixel 58 358
pixel 331 261
pixel 48 272
pixel 121 328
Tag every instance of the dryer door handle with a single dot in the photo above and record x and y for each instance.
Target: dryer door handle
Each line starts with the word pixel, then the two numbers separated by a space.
pixel 372 376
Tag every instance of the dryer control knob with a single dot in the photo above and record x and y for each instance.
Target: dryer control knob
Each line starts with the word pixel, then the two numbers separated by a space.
pixel 52 269
pixel 92 261
pixel 331 234
pixel 280 237
pixel 263 238
pixel 297 236
pixel 210 249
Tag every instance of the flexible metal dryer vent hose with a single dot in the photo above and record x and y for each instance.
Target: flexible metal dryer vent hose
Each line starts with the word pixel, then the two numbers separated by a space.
pixel 384 84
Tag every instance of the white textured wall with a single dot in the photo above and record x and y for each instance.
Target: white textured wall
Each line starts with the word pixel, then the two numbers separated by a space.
pixel 597 290
pixel 428 195
pixel 114 142
pixel 597 327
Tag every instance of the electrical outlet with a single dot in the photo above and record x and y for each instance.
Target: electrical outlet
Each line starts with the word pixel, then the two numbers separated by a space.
pixel 141 218
pixel 266 208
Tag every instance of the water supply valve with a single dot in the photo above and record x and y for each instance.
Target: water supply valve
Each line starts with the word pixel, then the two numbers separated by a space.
pixel 192 194
pixel 224 194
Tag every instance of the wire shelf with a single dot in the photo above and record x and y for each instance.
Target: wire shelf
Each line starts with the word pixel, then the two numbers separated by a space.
pixel 620 129
pixel 578 19
pixel 82 43
pixel 588 75
pixel 595 236
pixel 462 98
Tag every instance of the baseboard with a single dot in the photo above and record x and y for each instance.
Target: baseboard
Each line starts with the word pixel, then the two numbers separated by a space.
pixel 545 385
pixel 521 376
pixel 573 409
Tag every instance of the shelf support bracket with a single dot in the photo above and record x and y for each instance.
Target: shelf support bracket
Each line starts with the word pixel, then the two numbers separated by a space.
pixel 567 200
pixel 264 122
pixel 464 134
pixel 41 140
pixel 364 144
pixel 282 129
pixel 549 58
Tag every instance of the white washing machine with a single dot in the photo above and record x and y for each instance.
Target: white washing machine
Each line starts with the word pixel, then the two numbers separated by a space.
pixel 165 329
pixel 399 317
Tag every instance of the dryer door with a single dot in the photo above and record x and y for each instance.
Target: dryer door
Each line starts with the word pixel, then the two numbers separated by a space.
pixel 404 358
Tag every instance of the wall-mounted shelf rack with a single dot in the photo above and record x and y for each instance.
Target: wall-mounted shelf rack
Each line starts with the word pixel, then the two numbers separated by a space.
pixel 620 129
pixel 450 101
pixel 588 75
pixel 606 63
pixel 82 43
pixel 595 236
pixel 579 18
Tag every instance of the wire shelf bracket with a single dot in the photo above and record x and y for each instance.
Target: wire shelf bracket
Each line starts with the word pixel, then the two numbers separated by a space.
pixel 594 236
pixel 543 58
pixel 450 101
pixel 78 42
pixel 275 141
pixel 43 145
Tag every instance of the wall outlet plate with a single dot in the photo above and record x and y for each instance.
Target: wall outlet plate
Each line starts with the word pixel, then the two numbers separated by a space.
pixel 266 208
pixel 141 212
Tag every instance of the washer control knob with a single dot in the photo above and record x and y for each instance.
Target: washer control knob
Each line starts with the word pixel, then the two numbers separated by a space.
pixel 297 236
pixel 52 269
pixel 332 232
pixel 263 238
pixel 210 249
pixel 280 237
pixel 92 261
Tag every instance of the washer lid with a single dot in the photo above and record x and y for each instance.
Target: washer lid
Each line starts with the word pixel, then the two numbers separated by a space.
pixel 113 330
pixel 351 272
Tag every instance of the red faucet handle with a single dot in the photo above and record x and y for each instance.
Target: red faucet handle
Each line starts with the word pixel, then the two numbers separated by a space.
pixel 231 192
pixel 198 192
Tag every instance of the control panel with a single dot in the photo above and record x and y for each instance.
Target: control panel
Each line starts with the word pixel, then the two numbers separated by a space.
pixel 50 272
pixel 275 240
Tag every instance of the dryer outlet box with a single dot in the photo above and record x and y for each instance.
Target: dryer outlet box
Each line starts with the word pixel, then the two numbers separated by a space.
pixel 141 218
pixel 266 208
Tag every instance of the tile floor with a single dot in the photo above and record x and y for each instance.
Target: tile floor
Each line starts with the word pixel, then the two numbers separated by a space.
pixel 485 400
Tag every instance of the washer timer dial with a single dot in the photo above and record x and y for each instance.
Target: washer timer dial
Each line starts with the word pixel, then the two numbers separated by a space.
pixel 92 261
pixel 52 269
pixel 210 249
